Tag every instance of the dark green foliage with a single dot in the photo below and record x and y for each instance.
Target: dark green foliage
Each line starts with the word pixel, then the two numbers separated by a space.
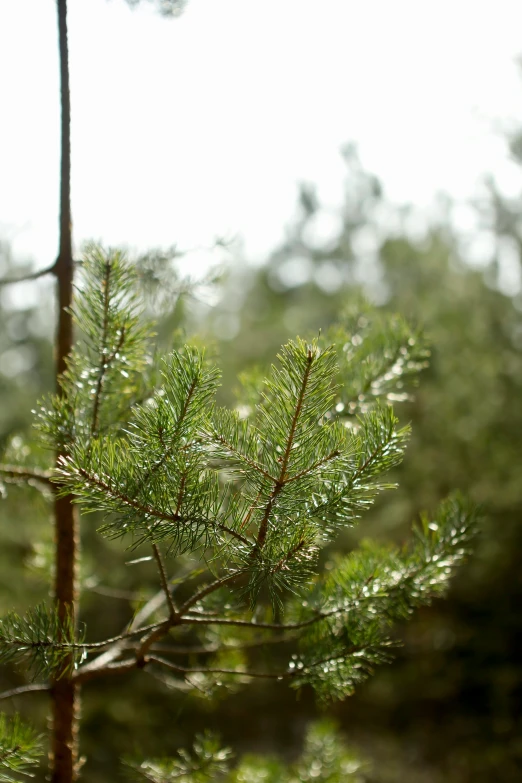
pixel 20 749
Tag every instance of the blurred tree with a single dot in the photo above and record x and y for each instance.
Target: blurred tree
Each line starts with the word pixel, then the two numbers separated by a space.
pixel 325 759
pixel 171 8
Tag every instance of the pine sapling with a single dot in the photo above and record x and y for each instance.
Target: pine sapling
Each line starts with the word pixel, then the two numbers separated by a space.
pixel 234 506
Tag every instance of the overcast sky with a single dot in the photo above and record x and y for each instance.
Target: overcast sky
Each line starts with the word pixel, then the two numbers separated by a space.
pixel 202 126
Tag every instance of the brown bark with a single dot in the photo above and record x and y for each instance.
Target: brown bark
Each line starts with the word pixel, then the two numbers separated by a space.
pixel 64 692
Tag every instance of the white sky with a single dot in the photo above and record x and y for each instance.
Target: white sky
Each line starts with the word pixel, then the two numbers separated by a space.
pixel 202 126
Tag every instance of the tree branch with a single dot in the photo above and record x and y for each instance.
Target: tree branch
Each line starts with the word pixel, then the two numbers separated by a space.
pixel 206 591
pixel 207 670
pixel 317 464
pixel 248 624
pixel 48 270
pixel 210 649
pixel 242 457
pixel 118 647
pixel 84 674
pixel 164 580
pixel 23 689
pixel 15 473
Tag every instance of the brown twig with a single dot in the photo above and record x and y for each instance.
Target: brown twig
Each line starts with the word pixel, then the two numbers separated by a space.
pixel 248 624
pixel 164 580
pixel 212 587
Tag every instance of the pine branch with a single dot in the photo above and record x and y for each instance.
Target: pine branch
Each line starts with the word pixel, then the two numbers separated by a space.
pixel 104 361
pixel 207 761
pixel 240 457
pixel 20 748
pixel 319 464
pixel 376 355
pixel 168 450
pixel 279 483
pixel 113 492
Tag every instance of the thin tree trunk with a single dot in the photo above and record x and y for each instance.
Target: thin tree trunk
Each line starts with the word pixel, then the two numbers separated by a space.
pixel 64 693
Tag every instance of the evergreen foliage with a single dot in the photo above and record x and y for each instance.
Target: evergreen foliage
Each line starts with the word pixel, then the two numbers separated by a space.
pixel 41 639
pixel 253 494
pixel 325 759
pixel 207 761
pixel 20 749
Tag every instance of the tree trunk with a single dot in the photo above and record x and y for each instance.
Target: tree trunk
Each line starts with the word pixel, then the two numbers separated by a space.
pixel 64 694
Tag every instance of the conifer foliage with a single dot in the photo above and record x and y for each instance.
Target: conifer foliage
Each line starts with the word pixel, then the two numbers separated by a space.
pixel 325 759
pixel 235 506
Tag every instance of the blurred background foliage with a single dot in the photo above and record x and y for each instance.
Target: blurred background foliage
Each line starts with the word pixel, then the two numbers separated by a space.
pixel 448 708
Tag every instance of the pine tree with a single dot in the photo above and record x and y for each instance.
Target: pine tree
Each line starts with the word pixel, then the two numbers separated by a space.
pixel 236 507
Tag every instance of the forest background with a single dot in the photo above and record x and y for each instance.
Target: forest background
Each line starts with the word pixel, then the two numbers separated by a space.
pixel 446 710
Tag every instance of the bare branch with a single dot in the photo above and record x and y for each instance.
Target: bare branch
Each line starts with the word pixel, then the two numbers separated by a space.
pixel 48 270
pixel 206 591
pixel 18 473
pixel 206 670
pixel 164 580
pixel 249 624
pixel 177 618
pixel 119 638
pixel 209 649
pixel 119 646
pixel 23 689
pixel 84 674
